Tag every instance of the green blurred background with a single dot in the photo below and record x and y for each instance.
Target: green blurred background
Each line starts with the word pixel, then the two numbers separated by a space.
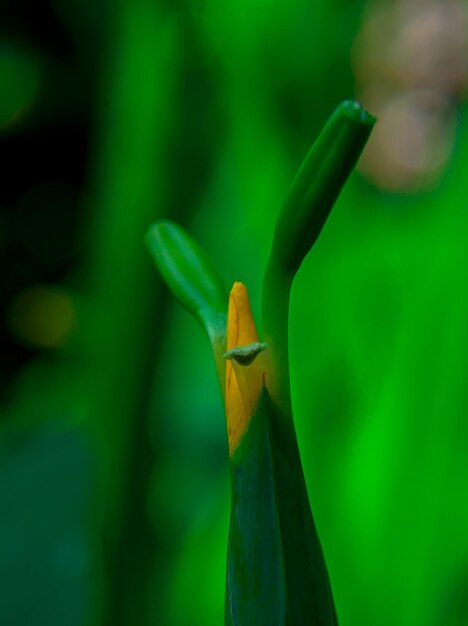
pixel 114 487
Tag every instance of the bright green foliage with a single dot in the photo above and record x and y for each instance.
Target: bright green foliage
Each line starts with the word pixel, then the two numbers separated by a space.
pixel 276 572
pixel 201 113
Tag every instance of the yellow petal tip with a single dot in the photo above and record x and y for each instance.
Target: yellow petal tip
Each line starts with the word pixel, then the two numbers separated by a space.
pixel 241 386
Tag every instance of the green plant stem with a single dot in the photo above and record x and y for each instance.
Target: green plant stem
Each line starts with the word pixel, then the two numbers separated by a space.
pixel 276 572
pixel 313 193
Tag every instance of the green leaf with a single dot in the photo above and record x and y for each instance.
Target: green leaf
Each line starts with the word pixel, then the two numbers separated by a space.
pixel 276 573
pixel 318 184
pixel 191 276
pixel 313 193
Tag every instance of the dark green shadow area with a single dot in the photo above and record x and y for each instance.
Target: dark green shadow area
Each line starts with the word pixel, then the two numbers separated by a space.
pixel 44 549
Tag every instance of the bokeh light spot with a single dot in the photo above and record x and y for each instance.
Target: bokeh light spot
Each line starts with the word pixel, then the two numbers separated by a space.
pixel 19 83
pixel 41 317
pixel 411 69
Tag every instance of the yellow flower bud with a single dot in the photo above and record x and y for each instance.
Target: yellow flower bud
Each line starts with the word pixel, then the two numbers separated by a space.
pixel 243 382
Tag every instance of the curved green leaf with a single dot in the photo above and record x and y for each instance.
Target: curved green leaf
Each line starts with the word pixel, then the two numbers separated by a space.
pixel 189 274
pixel 318 184
pixel 313 193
